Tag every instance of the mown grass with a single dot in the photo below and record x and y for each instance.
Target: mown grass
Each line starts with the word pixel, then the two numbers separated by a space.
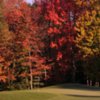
pixel 25 95
pixel 53 93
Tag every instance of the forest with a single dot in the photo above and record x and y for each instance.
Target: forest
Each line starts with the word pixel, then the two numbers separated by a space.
pixel 49 42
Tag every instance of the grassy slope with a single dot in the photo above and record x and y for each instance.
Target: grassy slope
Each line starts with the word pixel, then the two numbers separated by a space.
pixel 59 92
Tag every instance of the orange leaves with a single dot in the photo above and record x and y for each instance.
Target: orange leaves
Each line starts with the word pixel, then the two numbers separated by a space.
pixel 35 73
pixel 18 13
pixel 79 2
pixel 55 18
pixel 62 41
pixel 23 74
pixel 1 59
pixel 14 17
pixel 1 70
pixel 53 45
pixel 45 67
pixel 50 30
pixel 11 77
pixel 53 15
pixel 3 78
pixel 59 56
pixel 53 30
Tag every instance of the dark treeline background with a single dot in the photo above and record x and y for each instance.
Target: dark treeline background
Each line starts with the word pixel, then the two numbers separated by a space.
pixel 49 42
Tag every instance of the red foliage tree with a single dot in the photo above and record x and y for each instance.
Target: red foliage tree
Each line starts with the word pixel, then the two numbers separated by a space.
pixel 5 42
pixel 27 44
pixel 60 15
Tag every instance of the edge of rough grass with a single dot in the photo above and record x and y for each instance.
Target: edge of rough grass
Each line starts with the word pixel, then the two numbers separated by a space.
pixel 74 86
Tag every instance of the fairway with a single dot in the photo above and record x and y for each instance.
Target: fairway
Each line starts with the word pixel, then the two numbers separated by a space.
pixel 75 92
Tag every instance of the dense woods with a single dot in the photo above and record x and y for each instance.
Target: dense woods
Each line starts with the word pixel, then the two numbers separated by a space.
pixel 49 42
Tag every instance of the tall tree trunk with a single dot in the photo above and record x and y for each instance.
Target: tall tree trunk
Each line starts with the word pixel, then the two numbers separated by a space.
pixel 9 83
pixel 31 76
pixel 31 79
pixel 45 73
pixel 74 72
pixel 27 82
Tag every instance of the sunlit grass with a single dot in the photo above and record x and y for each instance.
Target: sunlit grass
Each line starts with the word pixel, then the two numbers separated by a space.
pixel 60 92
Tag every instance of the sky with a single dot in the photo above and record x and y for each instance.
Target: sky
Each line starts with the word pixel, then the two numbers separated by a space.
pixel 29 1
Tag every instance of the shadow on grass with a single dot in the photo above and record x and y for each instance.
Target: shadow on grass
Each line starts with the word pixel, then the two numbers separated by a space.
pixel 84 96
pixel 77 86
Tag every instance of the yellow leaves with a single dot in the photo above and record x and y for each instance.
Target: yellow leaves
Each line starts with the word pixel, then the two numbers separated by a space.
pixel 96 51
pixel 94 13
pixel 84 39
pixel 5 35
pixel 87 28
pixel 78 2
pixel 86 51
pixel 87 14
pixel 4 31
pixel 82 30
pixel 88 23
pixel 98 20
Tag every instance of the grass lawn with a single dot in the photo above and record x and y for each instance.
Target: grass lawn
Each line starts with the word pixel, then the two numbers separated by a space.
pixel 25 95
pixel 60 92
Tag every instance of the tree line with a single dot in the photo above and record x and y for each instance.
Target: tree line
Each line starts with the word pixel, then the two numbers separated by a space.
pixel 49 42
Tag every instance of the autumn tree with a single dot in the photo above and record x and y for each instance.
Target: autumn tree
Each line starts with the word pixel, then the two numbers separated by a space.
pixel 88 37
pixel 60 32
pixel 27 44
pixel 5 42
